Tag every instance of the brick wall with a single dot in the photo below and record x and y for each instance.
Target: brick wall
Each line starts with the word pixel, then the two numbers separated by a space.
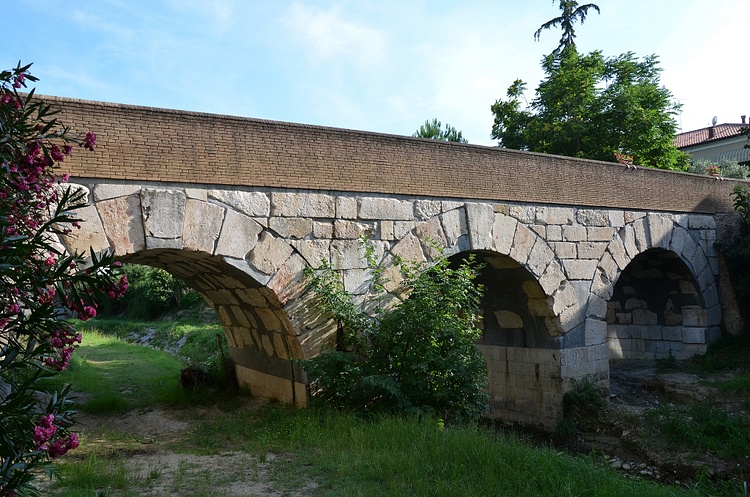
pixel 148 144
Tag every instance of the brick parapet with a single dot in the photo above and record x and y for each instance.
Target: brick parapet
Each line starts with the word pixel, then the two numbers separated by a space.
pixel 149 144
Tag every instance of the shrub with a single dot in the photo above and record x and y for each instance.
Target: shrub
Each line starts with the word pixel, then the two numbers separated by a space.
pixel 416 357
pixel 36 277
pixel 152 293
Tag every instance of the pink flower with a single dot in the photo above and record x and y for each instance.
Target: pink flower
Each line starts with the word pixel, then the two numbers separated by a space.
pixel 89 141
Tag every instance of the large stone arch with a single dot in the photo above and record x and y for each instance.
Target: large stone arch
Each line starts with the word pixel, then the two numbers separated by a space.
pixel 249 275
pixel 655 239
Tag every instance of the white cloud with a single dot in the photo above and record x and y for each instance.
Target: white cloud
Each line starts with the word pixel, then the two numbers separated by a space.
pixel 329 34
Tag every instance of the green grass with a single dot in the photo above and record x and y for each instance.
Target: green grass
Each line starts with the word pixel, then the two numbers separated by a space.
pixel 343 454
pixel 115 376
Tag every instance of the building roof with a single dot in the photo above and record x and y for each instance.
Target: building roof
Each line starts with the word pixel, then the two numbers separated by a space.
pixel 705 135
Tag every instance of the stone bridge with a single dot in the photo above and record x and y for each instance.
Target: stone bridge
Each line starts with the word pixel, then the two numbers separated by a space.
pixel 587 262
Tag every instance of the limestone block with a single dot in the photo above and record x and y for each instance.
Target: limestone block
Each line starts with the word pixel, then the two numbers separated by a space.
pixel 449 205
pixel 616 219
pixel 539 229
pixel 552 278
pixel 289 281
pixel 427 209
pixel 322 229
pixel 592 217
pixel 597 307
pixel 694 335
pixel 539 307
pixel 672 318
pixel 596 332
pixel 627 235
pixel 90 235
pixel 599 234
pixel 432 237
pixel 660 230
pixel 677 242
pixel 346 208
pixel 351 230
pixel 385 208
pixel 409 249
pixel 579 269
pixel 564 297
pixel 555 215
pixel 508 319
pixel 672 333
pixel 503 233
pixel 608 267
pixel 554 233
pixel 693 315
pixel 523 242
pixel 315 252
pixel 253 297
pixel 574 233
pixel 108 191
pixel 454 225
pixel 123 224
pixel 239 316
pixel 279 346
pixel 618 253
pixel 269 320
pixel 202 225
pixel 357 281
pixel 701 222
pixel 480 218
pixel 523 214
pixel 269 253
pixel 539 257
pixel 286 204
pixel 689 250
pixel 348 254
pixel 565 250
pixel 291 227
pixel 238 236
pixel 163 213
pixel 591 250
pixel 254 204
pixel 641 232
pixel 197 194
pixel 631 216
pixel 644 317
pixel 386 230
pixel 401 228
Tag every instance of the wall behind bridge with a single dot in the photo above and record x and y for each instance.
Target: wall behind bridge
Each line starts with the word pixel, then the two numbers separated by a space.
pixel 147 144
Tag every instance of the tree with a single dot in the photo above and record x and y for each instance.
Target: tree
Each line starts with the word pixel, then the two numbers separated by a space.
pixel 432 129
pixel 571 12
pixel 37 279
pixel 419 356
pixel 592 107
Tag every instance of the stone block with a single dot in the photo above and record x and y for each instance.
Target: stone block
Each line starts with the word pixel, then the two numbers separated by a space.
pixel 503 232
pixel 524 214
pixel 591 250
pixel 592 217
pixel 345 229
pixel 618 252
pixel 90 235
pixel 579 269
pixel 523 241
pixel 672 333
pixel 596 332
pixel 270 253
pixel 163 212
pixel 454 225
pixel 597 307
pixel 108 191
pixel 552 278
pixel 574 233
pixel 539 257
pixel 123 224
pixel 378 208
pixel 202 225
pixel 555 215
pixel 431 235
pixel 322 229
pixel 409 249
pixel 693 315
pixel 677 242
pixel 660 230
pixel 616 219
pixel 694 335
pixel 239 235
pixel 644 317
pixel 315 252
pixel 641 232
pixel 346 208
pixel 599 234
pixel 701 222
pixel 427 209
pixel 307 205
pixel 554 233
pixel 251 203
pixel 480 219
pixel 565 250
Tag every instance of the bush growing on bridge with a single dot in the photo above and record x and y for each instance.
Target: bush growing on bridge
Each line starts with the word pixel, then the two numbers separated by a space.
pixel 737 252
pixel 416 357
pixel 36 278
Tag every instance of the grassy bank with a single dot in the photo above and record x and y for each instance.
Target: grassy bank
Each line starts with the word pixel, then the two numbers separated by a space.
pixel 314 451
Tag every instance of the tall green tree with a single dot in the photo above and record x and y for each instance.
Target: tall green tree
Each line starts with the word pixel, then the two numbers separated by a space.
pixel 590 106
pixel 433 130
pixel 571 12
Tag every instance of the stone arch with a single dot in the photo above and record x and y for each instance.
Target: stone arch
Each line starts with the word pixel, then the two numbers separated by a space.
pixel 250 276
pixel 655 239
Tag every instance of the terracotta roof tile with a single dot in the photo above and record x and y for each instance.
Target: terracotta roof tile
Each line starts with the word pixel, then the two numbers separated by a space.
pixel 698 136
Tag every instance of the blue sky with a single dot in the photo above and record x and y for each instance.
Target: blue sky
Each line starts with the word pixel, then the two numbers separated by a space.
pixel 382 66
